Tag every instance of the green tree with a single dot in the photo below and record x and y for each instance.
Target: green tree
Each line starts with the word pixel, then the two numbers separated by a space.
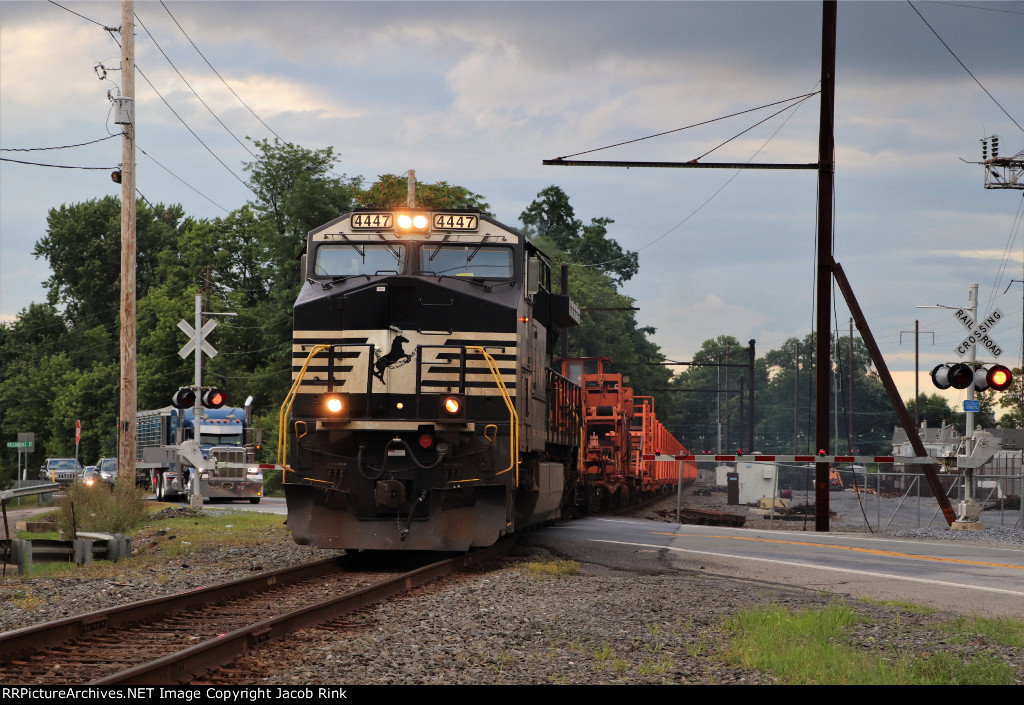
pixel 82 246
pixel 391 190
pixel 551 218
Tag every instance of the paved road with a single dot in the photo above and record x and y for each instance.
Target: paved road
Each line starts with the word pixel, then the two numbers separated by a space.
pixel 967 578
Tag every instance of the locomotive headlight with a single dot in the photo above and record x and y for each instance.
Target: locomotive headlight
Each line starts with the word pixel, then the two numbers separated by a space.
pixel 452 405
pixel 334 405
pixel 412 222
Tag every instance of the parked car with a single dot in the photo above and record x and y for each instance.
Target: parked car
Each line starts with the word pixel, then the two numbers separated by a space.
pixel 63 470
pixel 107 468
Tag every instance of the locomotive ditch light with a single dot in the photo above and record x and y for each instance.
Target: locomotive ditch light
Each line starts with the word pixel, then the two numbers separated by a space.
pixel 957 376
pixel 453 406
pixel 335 404
pixel 213 398
pixel 184 398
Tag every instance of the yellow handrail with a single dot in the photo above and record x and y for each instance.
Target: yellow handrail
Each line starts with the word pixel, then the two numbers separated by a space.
pixel 513 417
pixel 286 408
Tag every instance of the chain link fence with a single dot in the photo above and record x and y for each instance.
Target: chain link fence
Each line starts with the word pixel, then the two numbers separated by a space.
pixel 880 500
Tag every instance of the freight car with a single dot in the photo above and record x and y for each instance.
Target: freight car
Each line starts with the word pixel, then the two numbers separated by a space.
pixel 426 412
pixel 620 430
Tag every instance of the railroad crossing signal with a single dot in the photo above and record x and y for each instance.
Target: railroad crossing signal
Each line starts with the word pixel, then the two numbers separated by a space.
pixel 960 376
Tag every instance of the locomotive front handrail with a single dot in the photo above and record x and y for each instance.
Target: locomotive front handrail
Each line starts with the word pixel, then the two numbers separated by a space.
pixel 286 408
pixel 513 416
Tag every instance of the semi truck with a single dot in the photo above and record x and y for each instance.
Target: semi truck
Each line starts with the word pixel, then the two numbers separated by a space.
pixel 222 457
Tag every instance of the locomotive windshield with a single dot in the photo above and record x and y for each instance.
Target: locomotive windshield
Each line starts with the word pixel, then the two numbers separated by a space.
pixel 466 260
pixel 359 258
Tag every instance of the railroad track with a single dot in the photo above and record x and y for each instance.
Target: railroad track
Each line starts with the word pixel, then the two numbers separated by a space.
pixel 178 638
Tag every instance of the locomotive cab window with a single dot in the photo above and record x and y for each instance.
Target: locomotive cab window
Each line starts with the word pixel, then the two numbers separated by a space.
pixel 467 261
pixel 355 258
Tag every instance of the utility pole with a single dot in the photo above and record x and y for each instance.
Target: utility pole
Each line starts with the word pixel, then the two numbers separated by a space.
pixel 129 372
pixel 411 189
pixel 823 304
pixel 917 367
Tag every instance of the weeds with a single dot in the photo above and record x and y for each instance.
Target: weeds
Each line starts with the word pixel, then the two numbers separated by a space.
pixel 810 647
pixel 1006 632
pixel 113 510
pixel 557 569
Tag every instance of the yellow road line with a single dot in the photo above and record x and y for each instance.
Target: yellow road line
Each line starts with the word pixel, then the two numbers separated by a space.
pixel 856 549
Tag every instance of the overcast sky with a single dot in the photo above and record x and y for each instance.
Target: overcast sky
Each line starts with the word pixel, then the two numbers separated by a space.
pixel 479 93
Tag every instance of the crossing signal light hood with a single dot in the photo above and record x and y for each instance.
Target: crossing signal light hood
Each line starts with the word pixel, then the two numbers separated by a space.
pixel 214 398
pixel 184 398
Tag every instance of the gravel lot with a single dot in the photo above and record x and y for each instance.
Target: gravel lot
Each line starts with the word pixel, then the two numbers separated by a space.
pixel 510 624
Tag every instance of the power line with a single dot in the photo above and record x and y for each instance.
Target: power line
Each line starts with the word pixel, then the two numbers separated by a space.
pixel 59 166
pixel 198 138
pixel 218 74
pixel 180 179
pixel 185 81
pixel 801 98
pixel 99 24
pixel 965 66
pixel 66 146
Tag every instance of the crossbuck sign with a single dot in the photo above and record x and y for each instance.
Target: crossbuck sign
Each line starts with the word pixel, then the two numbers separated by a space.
pixel 978 332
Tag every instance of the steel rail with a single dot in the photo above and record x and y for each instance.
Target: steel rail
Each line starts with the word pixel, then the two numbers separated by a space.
pixel 48 634
pixel 213 653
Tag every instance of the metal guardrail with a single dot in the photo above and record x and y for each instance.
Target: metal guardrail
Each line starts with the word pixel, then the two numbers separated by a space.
pixel 25 553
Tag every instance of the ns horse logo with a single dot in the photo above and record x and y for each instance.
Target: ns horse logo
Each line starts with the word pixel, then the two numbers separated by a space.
pixel 396 357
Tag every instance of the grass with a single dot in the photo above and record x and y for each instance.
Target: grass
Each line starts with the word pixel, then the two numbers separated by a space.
pixel 1000 631
pixel 812 647
pixel 113 510
pixel 903 606
pixel 158 538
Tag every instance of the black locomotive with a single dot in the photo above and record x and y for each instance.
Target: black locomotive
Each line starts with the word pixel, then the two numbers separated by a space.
pixel 425 412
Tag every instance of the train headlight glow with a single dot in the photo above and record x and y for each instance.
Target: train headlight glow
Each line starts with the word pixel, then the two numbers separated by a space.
pixel 334 405
pixel 453 406
pixel 416 222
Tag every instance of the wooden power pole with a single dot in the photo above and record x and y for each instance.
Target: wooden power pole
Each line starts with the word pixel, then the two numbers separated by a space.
pixel 129 372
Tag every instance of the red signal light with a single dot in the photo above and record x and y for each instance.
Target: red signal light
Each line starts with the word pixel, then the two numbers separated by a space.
pixel 214 398
pixel 999 377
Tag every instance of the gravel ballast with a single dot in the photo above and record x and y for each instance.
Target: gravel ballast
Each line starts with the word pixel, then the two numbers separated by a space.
pixel 512 623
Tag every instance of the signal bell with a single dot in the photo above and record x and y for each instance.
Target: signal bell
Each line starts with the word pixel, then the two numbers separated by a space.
pixel 213 398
